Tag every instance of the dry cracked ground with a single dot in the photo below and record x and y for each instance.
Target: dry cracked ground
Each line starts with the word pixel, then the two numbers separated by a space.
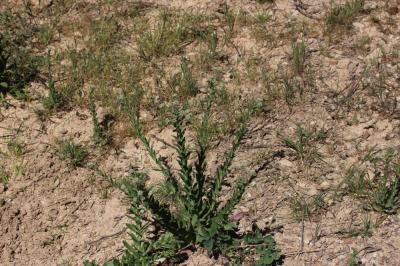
pixel 326 75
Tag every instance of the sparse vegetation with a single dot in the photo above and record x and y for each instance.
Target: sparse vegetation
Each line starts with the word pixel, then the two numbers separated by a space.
pixel 46 34
pixel 353 260
pixel 74 154
pixel 381 191
pixel 304 144
pixel 290 89
pixel 188 85
pixel 101 135
pixel 343 16
pixel 15 148
pixel 55 99
pixel 90 88
pixel 303 207
pixel 299 57
pixel 4 177
pixel 170 34
pixel 17 65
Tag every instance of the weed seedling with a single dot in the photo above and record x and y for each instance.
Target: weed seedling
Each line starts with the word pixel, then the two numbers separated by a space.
pixel 365 230
pixel 73 153
pixel 15 148
pixel 299 57
pixel 46 34
pixel 212 42
pixel 169 34
pixel 18 64
pixel 353 260
pixel 357 181
pixel 343 15
pixel 302 207
pixel 188 86
pixel 229 19
pixel 385 196
pixel 54 100
pixel 4 177
pixel 100 135
pixel 17 67
pixel 304 144
pixel 382 189
pixel 290 88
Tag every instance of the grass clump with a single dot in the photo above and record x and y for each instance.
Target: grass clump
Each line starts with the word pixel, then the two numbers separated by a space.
pixel 168 36
pixel 386 193
pixel 291 89
pixel 303 208
pixel 380 186
pixel 46 34
pixel 55 100
pixel 353 259
pixel 187 207
pixel 304 144
pixel 365 230
pixel 15 148
pixel 183 83
pixel 73 153
pixel 4 177
pixel 101 135
pixel 299 57
pixel 343 15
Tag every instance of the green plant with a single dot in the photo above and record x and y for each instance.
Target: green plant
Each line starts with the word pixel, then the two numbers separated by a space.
pixel 101 135
pixel 18 63
pixel 54 100
pixel 364 231
pixel 357 181
pixel 183 83
pixel 75 154
pixel 304 144
pixel 230 19
pixel 4 177
pixel 290 88
pixel 17 66
pixel 19 170
pixel 375 80
pixel 212 41
pixel 343 15
pixel 168 36
pixel 380 186
pixel 302 208
pixel 46 34
pixel 299 57
pixel 186 206
pixel 353 260
pixel 15 148
pixel 385 196
pixel 208 56
pixel 103 33
pixel 260 30
pixel 265 247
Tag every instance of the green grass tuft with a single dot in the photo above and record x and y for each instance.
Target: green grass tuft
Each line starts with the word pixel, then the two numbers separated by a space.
pixel 73 153
pixel 343 16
